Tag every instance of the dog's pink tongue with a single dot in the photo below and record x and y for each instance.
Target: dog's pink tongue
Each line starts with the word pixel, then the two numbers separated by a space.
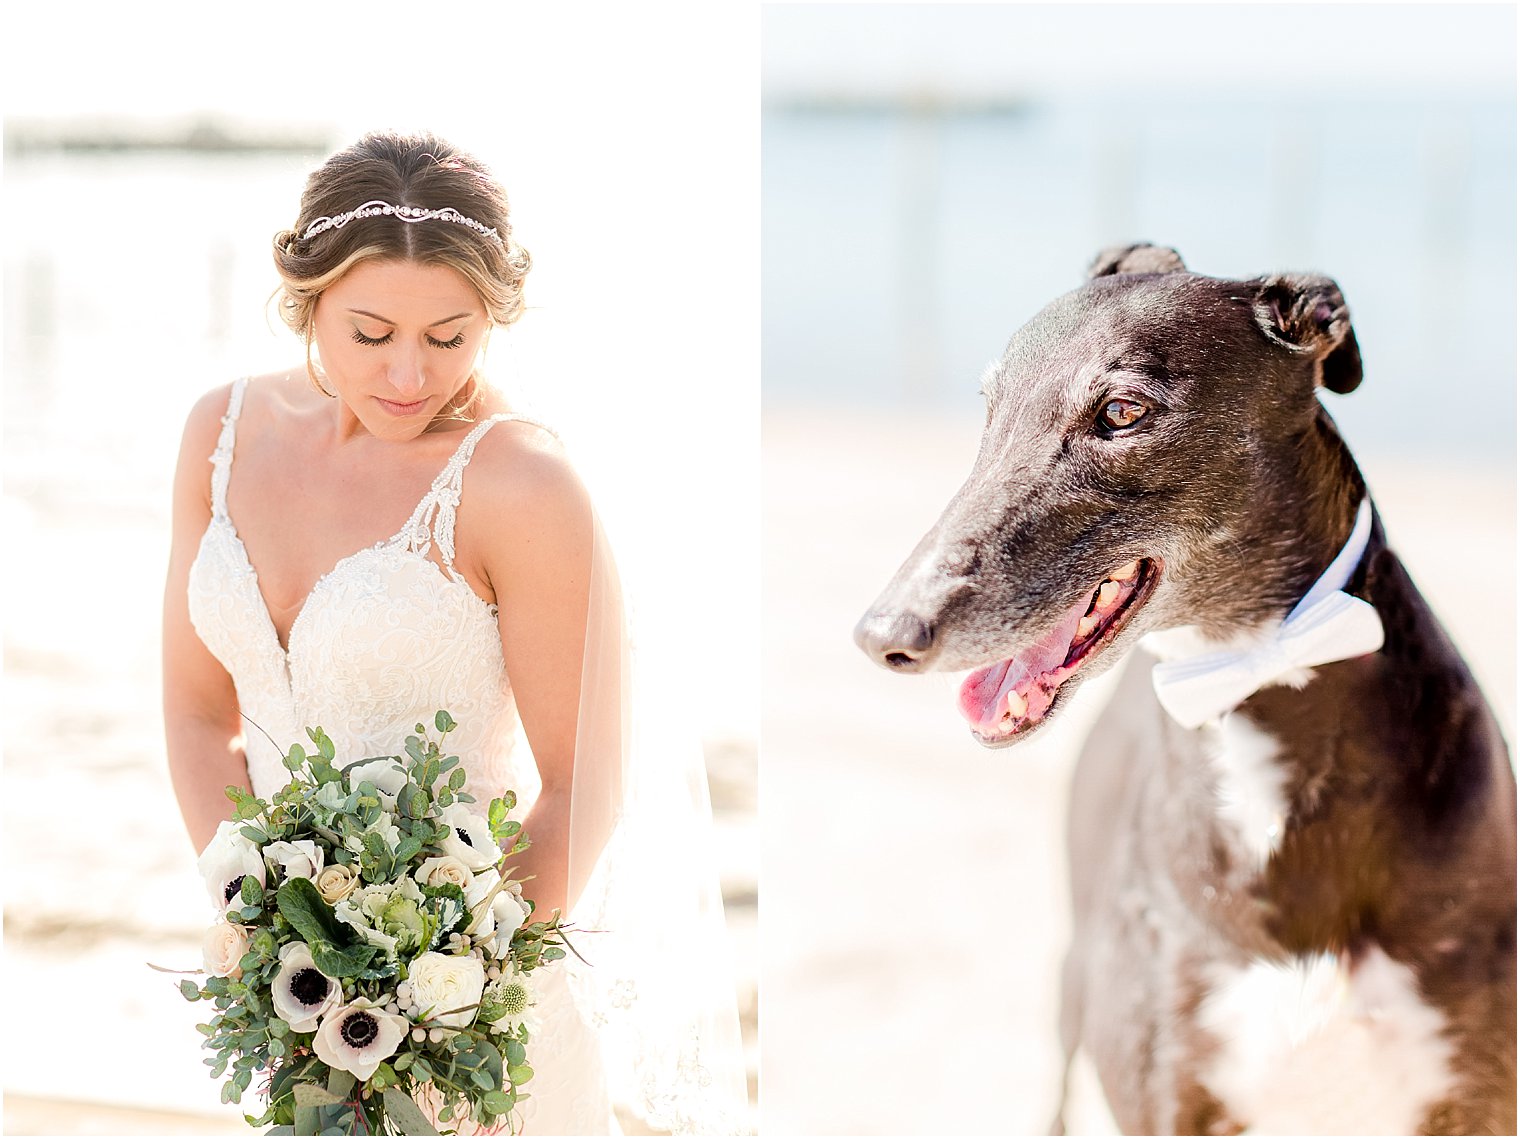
pixel 984 694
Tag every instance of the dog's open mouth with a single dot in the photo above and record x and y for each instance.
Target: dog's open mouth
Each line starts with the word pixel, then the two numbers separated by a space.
pixel 1006 700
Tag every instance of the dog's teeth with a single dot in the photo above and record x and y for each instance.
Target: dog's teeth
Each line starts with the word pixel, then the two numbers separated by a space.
pixel 1126 572
pixel 1106 593
pixel 1087 624
pixel 1017 705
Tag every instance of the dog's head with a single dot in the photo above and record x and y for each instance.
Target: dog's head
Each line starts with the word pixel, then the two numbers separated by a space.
pixel 1143 462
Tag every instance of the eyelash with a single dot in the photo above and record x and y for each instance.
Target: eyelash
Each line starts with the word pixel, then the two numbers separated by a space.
pixel 376 341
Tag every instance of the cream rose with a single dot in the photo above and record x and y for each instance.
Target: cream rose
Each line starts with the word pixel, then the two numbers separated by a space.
pixel 336 882
pixel 300 859
pixel 441 984
pixel 222 948
pixel 445 870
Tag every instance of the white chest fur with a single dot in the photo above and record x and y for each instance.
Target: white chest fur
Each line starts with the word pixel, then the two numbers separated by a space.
pixel 1319 1048
pixel 1249 785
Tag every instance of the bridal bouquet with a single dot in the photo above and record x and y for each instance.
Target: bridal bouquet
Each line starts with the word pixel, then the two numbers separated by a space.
pixel 370 951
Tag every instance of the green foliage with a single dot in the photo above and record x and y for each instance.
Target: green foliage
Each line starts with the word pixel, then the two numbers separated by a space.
pixel 473 1070
pixel 406 1114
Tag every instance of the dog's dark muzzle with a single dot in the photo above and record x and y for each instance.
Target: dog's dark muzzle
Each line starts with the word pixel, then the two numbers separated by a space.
pixel 902 642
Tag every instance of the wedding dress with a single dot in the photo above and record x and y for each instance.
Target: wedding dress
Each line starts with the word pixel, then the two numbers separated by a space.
pixel 385 639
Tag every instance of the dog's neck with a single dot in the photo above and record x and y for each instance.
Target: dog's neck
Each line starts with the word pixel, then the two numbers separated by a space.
pixel 1320 799
pixel 1295 518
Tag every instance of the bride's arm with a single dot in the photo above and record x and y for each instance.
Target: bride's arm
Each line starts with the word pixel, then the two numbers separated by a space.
pixel 201 726
pixel 536 546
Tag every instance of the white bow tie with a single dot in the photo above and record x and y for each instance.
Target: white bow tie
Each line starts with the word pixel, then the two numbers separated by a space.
pixel 1327 625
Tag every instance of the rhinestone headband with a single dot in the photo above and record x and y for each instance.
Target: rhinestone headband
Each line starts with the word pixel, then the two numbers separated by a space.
pixel 400 213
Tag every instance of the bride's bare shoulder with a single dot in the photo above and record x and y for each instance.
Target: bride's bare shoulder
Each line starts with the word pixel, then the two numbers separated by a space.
pixel 522 474
pixel 266 396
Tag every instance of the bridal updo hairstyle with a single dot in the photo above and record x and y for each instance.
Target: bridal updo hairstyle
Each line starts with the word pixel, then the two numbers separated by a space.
pixel 420 171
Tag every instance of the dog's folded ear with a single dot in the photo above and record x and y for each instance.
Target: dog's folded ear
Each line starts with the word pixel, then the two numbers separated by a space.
pixel 1141 257
pixel 1308 315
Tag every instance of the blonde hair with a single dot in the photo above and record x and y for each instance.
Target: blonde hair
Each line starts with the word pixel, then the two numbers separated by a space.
pixel 405 170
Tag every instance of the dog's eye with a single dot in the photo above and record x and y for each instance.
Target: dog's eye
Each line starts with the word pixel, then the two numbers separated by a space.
pixel 1117 414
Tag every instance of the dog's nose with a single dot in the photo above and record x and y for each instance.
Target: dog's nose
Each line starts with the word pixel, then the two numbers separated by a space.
pixel 903 642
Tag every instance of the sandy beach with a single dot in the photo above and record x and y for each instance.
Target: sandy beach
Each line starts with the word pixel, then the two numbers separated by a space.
pixel 915 910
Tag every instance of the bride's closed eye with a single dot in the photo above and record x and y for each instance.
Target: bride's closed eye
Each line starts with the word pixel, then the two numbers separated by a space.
pixel 374 341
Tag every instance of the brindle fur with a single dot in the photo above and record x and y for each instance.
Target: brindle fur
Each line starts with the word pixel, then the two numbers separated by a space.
pixel 1400 829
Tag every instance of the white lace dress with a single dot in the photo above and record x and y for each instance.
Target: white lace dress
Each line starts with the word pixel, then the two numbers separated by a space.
pixel 386 638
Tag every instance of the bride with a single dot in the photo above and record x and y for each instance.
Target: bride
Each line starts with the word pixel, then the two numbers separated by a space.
pixel 374 536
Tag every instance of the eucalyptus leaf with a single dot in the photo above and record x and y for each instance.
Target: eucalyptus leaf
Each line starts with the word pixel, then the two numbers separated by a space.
pixel 314 1095
pixel 308 1121
pixel 497 1103
pixel 405 1114
pixel 340 1083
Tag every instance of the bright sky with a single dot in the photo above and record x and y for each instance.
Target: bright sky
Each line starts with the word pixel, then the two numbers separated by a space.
pixel 1074 48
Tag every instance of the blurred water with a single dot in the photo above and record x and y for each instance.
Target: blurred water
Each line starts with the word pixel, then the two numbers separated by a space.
pixel 906 237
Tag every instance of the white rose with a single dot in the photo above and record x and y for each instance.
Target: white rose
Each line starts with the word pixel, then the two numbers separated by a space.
pixel 386 774
pixel 470 839
pixel 336 882
pixel 222 948
pixel 227 859
pixel 357 1038
pixel 441 984
pixel 300 859
pixel 443 871
pixel 301 992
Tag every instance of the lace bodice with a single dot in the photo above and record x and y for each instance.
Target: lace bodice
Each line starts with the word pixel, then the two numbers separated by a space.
pixel 385 638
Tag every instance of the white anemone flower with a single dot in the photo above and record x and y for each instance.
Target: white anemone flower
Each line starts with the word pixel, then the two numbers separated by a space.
pixel 228 858
pixel 509 911
pixel 387 775
pixel 471 841
pixel 300 859
pixel 302 992
pixel 359 1037
pixel 384 826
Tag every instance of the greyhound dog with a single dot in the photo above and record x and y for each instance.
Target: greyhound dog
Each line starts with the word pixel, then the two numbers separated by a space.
pixel 1293 896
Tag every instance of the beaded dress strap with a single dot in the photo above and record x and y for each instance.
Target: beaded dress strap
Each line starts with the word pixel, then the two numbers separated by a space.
pixel 221 458
pixel 433 520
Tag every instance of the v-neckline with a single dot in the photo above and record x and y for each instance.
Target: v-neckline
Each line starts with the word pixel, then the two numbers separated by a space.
pixel 434 488
pixel 269 621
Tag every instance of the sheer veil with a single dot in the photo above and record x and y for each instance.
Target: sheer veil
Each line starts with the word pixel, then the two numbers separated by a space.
pixel 646 910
